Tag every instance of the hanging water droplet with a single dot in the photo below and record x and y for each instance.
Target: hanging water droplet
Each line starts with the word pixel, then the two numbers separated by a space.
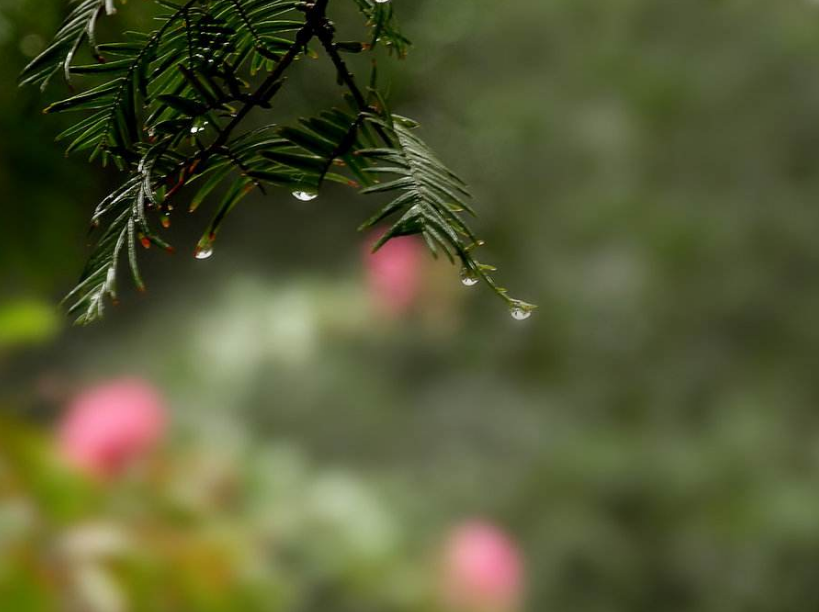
pixel 520 313
pixel 203 251
pixel 468 278
pixel 304 196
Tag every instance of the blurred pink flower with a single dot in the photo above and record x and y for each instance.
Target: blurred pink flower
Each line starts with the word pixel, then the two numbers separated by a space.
pixel 394 274
pixel 482 569
pixel 106 427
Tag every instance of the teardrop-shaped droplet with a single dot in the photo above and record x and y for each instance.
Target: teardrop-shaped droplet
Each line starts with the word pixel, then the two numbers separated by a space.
pixel 520 314
pixel 203 251
pixel 304 196
pixel 468 278
pixel 166 221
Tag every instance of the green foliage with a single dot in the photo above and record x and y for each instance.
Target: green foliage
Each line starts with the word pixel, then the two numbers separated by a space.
pixel 431 199
pixel 265 530
pixel 381 18
pixel 168 106
pixel 77 28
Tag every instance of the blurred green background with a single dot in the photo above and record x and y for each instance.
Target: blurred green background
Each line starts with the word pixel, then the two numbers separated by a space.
pixel 645 171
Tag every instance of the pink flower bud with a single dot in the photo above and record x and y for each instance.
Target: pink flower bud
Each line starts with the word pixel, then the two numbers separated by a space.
pixel 482 570
pixel 394 274
pixel 106 427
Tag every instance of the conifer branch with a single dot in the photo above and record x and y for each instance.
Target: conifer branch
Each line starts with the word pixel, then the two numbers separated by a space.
pixel 327 37
pixel 168 107
pixel 315 15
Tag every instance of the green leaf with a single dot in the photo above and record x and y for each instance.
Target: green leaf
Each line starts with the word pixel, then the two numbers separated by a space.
pixel 77 28
pixel 429 199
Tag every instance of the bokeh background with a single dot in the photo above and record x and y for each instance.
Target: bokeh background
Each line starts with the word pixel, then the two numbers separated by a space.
pixel 646 171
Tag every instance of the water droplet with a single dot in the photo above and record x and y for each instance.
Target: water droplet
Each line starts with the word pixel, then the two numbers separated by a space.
pixel 166 221
pixel 196 129
pixel 468 278
pixel 146 243
pixel 382 1
pixel 520 313
pixel 203 251
pixel 304 196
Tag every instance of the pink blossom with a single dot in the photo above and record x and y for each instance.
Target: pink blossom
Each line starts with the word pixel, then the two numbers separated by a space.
pixel 394 274
pixel 106 427
pixel 482 569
